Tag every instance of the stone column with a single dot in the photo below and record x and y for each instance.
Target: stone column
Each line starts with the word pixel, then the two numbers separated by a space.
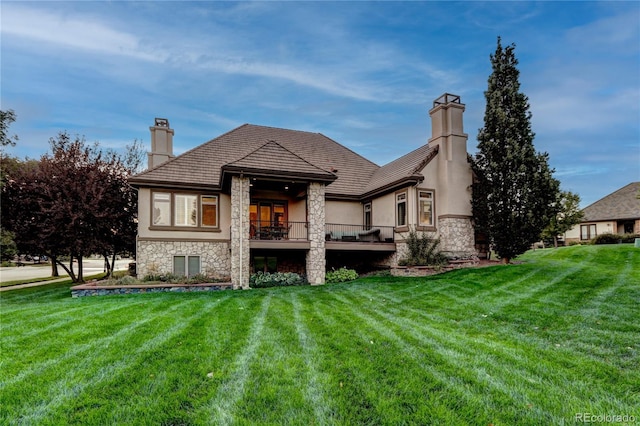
pixel 316 261
pixel 240 252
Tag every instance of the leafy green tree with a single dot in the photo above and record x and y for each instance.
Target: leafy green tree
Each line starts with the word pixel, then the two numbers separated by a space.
pixel 6 119
pixel 8 248
pixel 514 193
pixel 568 215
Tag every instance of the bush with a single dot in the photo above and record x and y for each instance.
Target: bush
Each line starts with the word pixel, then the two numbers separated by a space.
pixel 341 275
pixel 607 239
pixel 126 280
pixel 423 251
pixel 630 238
pixel 276 279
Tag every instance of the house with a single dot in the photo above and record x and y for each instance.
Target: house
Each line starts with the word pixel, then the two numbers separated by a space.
pixel 269 199
pixel 617 213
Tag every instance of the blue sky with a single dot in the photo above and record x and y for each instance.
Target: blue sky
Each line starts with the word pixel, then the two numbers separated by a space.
pixel 364 74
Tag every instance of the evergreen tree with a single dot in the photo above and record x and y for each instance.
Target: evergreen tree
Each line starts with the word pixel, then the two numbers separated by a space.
pixel 515 193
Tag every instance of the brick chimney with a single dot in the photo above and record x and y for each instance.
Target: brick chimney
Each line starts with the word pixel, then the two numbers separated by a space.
pixel 161 143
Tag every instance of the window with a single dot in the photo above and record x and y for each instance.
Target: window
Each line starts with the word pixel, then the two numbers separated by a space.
pixel 161 209
pixel 401 209
pixel 265 264
pixel 180 210
pixel 587 232
pixel 209 210
pixel 268 213
pixel 186 210
pixel 186 265
pixel 425 208
pixel 367 216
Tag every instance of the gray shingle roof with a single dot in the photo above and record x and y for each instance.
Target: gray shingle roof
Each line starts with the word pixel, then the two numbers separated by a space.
pixel 621 204
pixel 201 166
pixel 265 149
pixel 406 167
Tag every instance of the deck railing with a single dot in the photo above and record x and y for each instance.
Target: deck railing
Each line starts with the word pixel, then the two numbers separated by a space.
pixel 358 233
pixel 267 230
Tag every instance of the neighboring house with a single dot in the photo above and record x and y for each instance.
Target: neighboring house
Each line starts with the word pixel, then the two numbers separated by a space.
pixel 617 213
pixel 268 199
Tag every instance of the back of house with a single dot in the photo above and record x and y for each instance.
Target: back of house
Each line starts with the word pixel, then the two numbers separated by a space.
pixel 269 199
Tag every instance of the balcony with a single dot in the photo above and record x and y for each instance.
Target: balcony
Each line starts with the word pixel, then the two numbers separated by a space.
pixel 359 237
pixel 267 230
pixel 295 235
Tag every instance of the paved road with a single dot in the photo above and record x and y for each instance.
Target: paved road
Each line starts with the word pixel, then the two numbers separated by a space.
pixel 90 267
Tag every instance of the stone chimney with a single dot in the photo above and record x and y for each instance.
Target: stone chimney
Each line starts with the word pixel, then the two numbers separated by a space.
pixel 161 143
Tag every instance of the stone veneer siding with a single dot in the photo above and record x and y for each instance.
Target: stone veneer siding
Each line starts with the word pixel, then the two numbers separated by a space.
pixel 456 236
pixel 240 250
pixel 157 256
pixel 316 261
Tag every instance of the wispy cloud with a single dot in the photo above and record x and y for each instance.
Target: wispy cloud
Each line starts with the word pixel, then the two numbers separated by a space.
pixel 73 31
pixel 355 76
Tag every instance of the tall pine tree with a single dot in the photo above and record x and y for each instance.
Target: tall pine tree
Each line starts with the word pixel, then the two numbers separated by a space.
pixel 515 193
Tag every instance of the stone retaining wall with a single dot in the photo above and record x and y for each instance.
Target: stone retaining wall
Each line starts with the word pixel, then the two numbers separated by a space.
pixel 98 290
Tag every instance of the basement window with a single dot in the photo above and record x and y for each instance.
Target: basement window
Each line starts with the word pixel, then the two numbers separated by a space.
pixel 186 265
pixel 265 264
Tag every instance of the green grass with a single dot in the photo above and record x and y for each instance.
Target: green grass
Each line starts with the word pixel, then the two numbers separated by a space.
pixel 533 343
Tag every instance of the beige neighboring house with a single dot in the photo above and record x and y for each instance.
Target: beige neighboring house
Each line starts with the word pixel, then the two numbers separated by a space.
pixel 617 213
pixel 269 199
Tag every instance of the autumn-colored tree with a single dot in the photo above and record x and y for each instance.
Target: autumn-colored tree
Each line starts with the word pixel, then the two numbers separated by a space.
pixel 76 202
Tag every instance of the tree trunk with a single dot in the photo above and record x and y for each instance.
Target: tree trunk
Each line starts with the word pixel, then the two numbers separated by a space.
pixel 555 241
pixel 54 266
pixel 67 270
pixel 113 264
pixel 506 260
pixel 108 267
pixel 80 274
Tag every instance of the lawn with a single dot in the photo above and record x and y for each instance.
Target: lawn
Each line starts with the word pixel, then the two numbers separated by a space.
pixel 534 343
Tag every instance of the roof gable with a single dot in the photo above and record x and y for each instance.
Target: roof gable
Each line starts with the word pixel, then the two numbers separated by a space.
pixel 404 169
pixel 272 159
pixel 621 204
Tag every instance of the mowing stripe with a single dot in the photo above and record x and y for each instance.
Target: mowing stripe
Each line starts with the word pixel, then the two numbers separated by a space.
pixel 221 409
pixel 448 356
pixel 54 325
pixel 530 292
pixel 314 391
pixel 69 386
pixel 604 294
pixel 91 347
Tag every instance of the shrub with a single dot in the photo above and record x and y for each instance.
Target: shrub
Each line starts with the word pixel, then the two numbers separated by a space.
pixel 630 238
pixel 341 275
pixel 126 280
pixel 607 239
pixel 423 251
pixel 276 279
pixel 166 278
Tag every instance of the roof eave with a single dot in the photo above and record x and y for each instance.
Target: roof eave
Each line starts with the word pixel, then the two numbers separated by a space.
pixel 142 183
pixel 390 187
